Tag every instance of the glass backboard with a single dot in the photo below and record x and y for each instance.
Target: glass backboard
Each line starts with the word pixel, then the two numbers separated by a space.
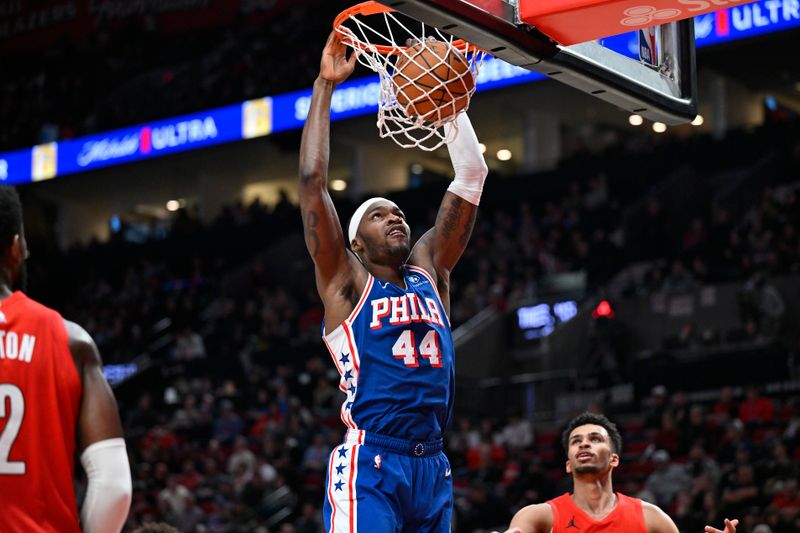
pixel 664 90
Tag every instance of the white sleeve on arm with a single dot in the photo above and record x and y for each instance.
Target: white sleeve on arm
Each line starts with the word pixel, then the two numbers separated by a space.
pixel 468 162
pixel 108 496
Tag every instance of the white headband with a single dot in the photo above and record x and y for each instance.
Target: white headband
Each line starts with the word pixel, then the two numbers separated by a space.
pixel 355 221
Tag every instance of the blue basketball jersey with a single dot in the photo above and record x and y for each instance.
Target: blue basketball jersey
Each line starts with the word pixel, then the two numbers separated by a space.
pixel 396 359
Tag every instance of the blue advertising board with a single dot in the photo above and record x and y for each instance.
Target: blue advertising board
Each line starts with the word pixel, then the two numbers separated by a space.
pixel 256 118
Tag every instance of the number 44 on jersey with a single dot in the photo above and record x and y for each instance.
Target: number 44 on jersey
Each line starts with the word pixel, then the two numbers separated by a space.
pixel 405 348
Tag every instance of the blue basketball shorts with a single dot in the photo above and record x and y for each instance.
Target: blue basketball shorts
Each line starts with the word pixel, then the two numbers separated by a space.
pixel 378 484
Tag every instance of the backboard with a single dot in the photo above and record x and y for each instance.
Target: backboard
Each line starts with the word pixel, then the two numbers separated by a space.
pixel 666 92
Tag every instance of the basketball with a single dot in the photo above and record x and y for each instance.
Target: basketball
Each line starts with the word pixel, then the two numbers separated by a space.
pixel 432 81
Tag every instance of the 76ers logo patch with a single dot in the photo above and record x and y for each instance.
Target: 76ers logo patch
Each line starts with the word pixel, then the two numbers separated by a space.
pixel 377 462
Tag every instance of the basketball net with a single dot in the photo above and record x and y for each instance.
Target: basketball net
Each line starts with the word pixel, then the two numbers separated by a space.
pixel 383 42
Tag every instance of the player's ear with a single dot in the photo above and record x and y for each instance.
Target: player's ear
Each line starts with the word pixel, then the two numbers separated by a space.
pixel 614 460
pixel 356 245
pixel 568 467
pixel 16 250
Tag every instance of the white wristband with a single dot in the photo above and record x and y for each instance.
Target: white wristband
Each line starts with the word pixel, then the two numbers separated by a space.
pixel 467 159
pixel 108 496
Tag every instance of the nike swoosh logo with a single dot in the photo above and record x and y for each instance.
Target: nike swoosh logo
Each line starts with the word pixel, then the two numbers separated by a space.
pixel 447 473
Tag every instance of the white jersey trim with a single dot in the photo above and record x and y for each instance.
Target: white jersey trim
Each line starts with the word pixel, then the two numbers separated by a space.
pixel 342 347
pixel 342 486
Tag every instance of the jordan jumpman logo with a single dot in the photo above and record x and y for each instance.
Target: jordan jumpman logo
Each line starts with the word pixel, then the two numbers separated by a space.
pixel 572 523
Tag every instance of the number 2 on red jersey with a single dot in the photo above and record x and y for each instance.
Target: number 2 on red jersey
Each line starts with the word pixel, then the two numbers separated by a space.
pixel 13 415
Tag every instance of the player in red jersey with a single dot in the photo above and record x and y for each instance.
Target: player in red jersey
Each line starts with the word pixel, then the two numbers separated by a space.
pixel 593 443
pixel 54 401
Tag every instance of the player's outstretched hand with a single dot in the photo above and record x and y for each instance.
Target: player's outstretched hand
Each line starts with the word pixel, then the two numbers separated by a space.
pixel 335 66
pixel 730 527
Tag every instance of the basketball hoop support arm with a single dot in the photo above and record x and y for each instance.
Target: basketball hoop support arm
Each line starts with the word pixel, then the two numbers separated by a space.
pixel 492 25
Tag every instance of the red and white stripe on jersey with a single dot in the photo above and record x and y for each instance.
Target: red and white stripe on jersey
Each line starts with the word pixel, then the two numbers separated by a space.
pixel 362 300
pixel 341 490
pixel 342 347
pixel 348 330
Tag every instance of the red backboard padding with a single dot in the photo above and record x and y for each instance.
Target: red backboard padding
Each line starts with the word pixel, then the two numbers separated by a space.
pixel 576 21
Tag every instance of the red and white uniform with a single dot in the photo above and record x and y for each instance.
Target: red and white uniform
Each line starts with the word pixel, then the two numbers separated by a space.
pixel 626 517
pixel 40 394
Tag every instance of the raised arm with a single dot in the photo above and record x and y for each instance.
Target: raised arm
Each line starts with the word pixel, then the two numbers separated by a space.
pixel 323 232
pixel 442 246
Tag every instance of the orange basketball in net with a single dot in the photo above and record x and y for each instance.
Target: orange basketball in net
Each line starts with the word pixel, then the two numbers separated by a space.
pixel 432 80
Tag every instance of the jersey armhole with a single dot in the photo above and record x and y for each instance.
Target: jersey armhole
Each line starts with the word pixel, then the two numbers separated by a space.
pixel 62 336
pixel 554 510
pixel 364 293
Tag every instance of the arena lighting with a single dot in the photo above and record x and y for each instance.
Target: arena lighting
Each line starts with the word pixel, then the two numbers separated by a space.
pixel 417 169
pixel 173 205
pixel 603 310
pixel 338 185
pixel 636 120
pixel 504 155
pixel 483 146
pixel 698 120
pixel 771 103
pixel 118 373
pixel 659 127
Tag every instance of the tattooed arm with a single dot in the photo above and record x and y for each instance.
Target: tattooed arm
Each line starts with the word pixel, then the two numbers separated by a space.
pixel 439 249
pixel 337 272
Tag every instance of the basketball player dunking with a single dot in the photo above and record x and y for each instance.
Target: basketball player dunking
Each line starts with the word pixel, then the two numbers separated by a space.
pixel 387 328
pixel 593 443
pixel 54 401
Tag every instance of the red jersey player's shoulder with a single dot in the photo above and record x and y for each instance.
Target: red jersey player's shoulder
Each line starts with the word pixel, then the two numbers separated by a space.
pixel 656 520
pixel 81 344
pixel 76 333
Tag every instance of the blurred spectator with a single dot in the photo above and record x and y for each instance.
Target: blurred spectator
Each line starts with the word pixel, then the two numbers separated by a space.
pixel 756 409
pixel 696 431
pixel 658 405
pixel 518 433
pixel 725 408
pixel 191 517
pixel 695 236
pixel 228 424
pixel 762 303
pixel 188 345
pixel 668 435
pixel 740 492
pixel 316 455
pixel 481 507
pixel 700 465
pixel 174 499
pixel 242 460
pixel 309 521
pixel 665 482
